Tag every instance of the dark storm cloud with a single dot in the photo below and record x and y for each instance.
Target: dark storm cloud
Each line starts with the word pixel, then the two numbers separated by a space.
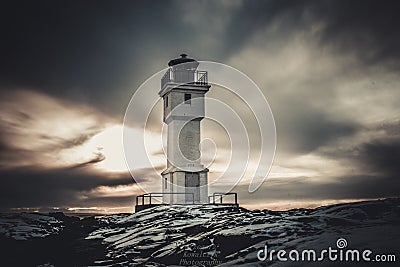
pixel 99 51
pixel 80 50
pixel 381 156
pixel 365 27
pixel 305 129
pixel 312 192
pixel 90 51
pixel 29 187
pixel 391 129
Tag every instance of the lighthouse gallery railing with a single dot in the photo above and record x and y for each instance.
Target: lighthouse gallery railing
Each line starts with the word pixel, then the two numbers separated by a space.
pixel 184 76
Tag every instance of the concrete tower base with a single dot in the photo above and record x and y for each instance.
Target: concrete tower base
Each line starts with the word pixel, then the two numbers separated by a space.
pixel 184 187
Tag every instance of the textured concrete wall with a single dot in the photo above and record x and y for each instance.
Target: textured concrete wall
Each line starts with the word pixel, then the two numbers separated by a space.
pixel 180 187
pixel 183 142
pixel 204 187
pixel 183 152
pixel 176 182
pixel 189 140
pixel 178 109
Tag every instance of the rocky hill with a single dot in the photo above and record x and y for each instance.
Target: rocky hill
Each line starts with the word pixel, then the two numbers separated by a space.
pixel 202 236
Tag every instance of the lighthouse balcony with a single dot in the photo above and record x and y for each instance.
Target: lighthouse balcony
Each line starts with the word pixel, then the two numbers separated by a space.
pixel 175 76
pixel 216 201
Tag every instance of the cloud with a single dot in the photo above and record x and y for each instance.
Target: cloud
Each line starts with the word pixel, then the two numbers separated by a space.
pixel 36 128
pixel 328 69
pixel 327 103
pixel 63 187
pixel 39 137
pixel 377 152
pixel 96 53
pixel 382 156
pixel 104 52
pixel 363 28
pixel 295 192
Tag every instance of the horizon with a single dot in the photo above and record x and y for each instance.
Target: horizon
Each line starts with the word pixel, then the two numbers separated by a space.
pixel 105 213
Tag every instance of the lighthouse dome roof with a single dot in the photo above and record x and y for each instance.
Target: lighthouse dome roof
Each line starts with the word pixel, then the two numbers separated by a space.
pixel 182 59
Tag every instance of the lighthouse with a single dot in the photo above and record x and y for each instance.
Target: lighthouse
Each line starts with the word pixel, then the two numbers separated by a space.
pixel 183 87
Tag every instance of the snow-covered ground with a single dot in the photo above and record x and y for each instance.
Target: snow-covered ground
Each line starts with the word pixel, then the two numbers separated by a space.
pixel 209 235
pixel 23 226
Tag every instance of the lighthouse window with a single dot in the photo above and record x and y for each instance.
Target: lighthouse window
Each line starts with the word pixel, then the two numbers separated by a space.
pixel 187 98
pixel 166 101
pixel 165 183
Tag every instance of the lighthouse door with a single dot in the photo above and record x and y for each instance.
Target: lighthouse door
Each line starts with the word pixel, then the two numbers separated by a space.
pixel 192 186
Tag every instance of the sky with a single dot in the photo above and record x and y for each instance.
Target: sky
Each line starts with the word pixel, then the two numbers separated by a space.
pixel 329 70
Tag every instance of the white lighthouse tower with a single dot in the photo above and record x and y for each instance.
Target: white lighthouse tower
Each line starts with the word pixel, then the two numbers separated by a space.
pixel 183 88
